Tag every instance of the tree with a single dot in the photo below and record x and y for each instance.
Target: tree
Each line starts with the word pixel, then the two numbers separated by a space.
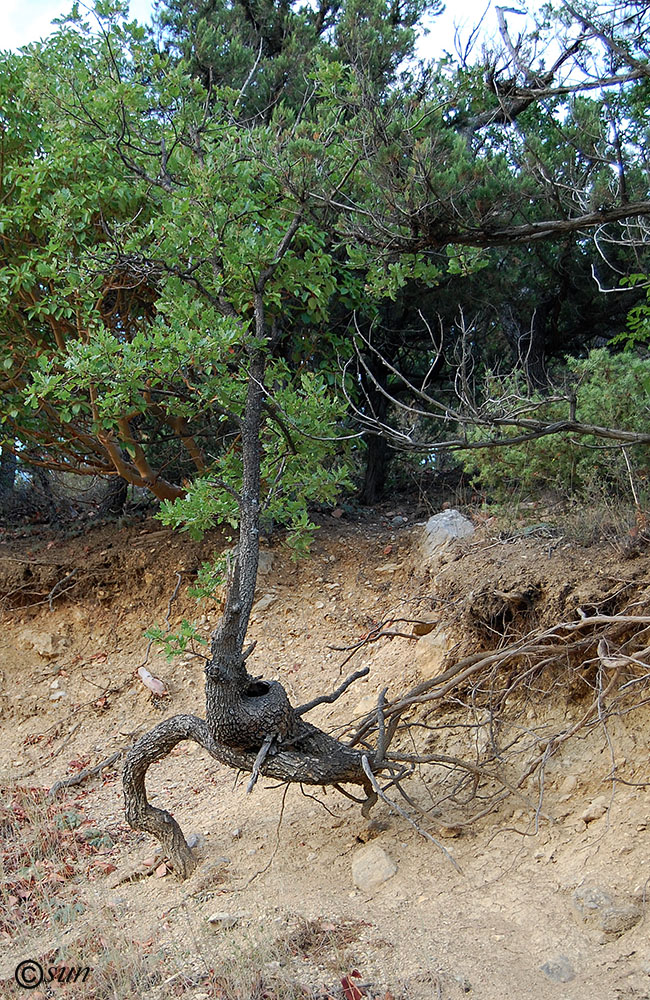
pixel 230 256
pixel 237 238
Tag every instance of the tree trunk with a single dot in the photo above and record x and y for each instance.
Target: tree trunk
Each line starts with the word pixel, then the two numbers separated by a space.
pixel 8 462
pixel 114 500
pixel 250 723
pixel 377 457
pixel 377 462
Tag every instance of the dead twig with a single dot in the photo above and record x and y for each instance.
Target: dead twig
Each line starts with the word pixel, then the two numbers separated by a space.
pixel 398 809
pixel 328 699
pixel 88 772
pixel 259 760
pixel 57 589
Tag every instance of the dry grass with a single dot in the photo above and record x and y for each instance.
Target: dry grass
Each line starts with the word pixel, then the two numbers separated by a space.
pixel 310 960
pixel 48 858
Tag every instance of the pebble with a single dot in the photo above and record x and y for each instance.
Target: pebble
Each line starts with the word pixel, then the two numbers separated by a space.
pixel 371 867
pixel 264 602
pixel 223 919
pixel 595 809
pixel 559 969
pixel 599 911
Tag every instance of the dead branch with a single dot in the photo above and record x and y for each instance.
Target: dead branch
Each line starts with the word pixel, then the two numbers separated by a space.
pixel 514 411
pixel 398 809
pixel 88 772
pixel 329 699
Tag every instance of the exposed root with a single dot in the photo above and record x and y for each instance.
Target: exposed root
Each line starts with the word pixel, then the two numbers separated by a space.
pixel 312 757
pixel 607 655
pixel 88 772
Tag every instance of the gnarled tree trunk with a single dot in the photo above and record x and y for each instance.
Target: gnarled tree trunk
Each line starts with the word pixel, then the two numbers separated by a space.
pixel 250 725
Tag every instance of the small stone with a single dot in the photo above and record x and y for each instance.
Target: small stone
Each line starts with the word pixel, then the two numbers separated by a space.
pixel 223 919
pixel 388 568
pixel 398 521
pixel 264 602
pixel 595 809
pixel 598 910
pixel 559 969
pixel 236 833
pixel 196 840
pixel 569 785
pixel 265 563
pixel 371 867
pixel 58 694
pixel 46 644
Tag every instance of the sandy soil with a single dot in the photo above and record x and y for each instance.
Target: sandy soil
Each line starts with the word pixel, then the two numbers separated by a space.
pixel 277 864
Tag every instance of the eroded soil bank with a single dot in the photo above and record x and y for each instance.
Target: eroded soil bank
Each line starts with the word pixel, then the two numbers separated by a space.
pixel 550 901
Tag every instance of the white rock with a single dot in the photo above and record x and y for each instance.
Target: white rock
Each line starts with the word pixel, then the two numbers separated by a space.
pixel 443 528
pixel 264 602
pixel 371 867
pixel 46 644
pixel 223 919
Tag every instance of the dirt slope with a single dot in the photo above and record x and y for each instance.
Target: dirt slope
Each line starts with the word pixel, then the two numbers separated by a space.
pixel 525 917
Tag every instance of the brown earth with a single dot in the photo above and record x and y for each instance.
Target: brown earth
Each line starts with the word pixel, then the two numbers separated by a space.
pixel 542 905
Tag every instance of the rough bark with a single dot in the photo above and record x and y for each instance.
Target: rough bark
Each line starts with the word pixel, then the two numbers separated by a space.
pixel 115 497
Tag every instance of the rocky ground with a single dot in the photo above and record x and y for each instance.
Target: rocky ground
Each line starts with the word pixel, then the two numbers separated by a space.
pixel 296 895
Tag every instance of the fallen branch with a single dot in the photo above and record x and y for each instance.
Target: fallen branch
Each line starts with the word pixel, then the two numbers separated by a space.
pixel 88 772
